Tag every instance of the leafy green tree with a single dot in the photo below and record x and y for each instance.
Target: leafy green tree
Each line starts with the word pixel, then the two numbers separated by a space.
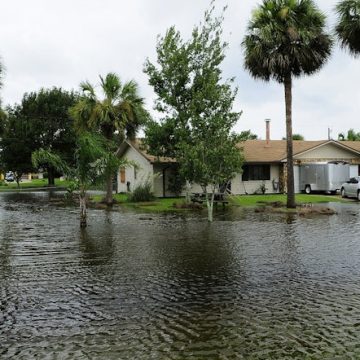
pixel 246 135
pixel 117 115
pixel 351 136
pixel 196 106
pixel 286 39
pixel 173 82
pixel 16 144
pixel 2 120
pixel 213 158
pixel 46 115
pixel 348 26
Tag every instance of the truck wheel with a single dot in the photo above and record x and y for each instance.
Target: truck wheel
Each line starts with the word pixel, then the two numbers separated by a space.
pixel 307 189
pixel 343 195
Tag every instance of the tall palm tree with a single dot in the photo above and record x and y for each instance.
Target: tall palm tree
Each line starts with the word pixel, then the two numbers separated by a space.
pixel 286 39
pixel 348 26
pixel 116 116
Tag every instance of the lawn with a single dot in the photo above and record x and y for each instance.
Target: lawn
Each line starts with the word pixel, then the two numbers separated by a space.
pixel 167 204
pixel 254 200
pixel 156 205
pixel 33 184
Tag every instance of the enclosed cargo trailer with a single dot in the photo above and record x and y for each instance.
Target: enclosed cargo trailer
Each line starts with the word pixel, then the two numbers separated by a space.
pixel 323 177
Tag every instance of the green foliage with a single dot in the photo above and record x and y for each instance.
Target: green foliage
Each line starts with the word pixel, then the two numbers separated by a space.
pixel 196 104
pixel 286 37
pixel 117 115
pixel 214 159
pixel 296 137
pixel 142 192
pixel 246 135
pixel 351 136
pixel 176 181
pixel 16 146
pixel 41 157
pixel 71 189
pixel 46 124
pixel 348 26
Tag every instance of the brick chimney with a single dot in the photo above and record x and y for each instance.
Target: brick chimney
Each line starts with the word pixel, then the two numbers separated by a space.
pixel 267 121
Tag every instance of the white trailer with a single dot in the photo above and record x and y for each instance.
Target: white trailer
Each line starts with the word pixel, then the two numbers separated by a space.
pixel 323 177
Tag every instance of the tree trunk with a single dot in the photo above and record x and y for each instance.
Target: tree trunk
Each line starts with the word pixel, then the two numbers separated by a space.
pixel 51 176
pixel 109 190
pixel 289 143
pixel 82 198
pixel 210 205
pixel 187 192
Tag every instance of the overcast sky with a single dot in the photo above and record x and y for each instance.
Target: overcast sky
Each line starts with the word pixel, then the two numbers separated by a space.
pixel 61 43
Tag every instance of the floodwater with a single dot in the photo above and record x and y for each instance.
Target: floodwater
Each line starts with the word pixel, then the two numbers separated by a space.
pixel 147 286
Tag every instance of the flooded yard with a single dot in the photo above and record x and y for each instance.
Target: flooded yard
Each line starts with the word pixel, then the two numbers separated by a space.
pixel 156 286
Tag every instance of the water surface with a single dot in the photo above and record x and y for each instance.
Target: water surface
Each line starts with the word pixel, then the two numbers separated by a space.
pixel 147 286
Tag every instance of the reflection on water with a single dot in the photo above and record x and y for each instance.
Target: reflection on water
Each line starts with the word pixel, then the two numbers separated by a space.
pixel 252 286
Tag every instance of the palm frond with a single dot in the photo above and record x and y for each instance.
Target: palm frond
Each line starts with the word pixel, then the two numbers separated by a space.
pixel 286 37
pixel 111 86
pixel 348 26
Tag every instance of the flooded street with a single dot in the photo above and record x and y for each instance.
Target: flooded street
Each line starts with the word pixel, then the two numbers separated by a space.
pixel 155 286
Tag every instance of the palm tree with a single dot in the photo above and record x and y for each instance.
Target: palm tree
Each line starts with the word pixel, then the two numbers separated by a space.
pixel 116 116
pixel 286 39
pixel 348 26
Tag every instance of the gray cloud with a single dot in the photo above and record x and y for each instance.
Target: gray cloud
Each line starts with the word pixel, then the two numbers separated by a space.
pixel 61 43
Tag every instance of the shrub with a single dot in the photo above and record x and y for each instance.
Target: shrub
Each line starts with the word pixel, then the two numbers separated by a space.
pixel 70 194
pixel 142 192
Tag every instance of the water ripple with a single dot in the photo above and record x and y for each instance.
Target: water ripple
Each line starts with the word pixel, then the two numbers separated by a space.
pixel 249 286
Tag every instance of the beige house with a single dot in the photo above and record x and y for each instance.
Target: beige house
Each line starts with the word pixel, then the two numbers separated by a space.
pixel 149 167
pixel 265 164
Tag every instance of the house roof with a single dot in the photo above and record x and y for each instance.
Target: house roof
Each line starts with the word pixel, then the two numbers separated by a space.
pixel 255 151
pixel 139 147
pixel 275 150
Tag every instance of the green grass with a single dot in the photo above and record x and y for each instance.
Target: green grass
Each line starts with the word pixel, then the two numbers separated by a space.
pixel 156 205
pixel 167 204
pixel 36 183
pixel 254 200
pixel 160 205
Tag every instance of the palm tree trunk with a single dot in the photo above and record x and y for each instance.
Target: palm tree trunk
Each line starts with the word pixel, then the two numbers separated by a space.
pixel 82 198
pixel 289 143
pixel 109 190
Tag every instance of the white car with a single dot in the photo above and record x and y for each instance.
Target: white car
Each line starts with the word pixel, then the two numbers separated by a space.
pixel 351 188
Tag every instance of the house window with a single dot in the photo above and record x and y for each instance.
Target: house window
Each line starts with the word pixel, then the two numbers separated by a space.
pixel 256 172
pixel 122 175
pixel 135 173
